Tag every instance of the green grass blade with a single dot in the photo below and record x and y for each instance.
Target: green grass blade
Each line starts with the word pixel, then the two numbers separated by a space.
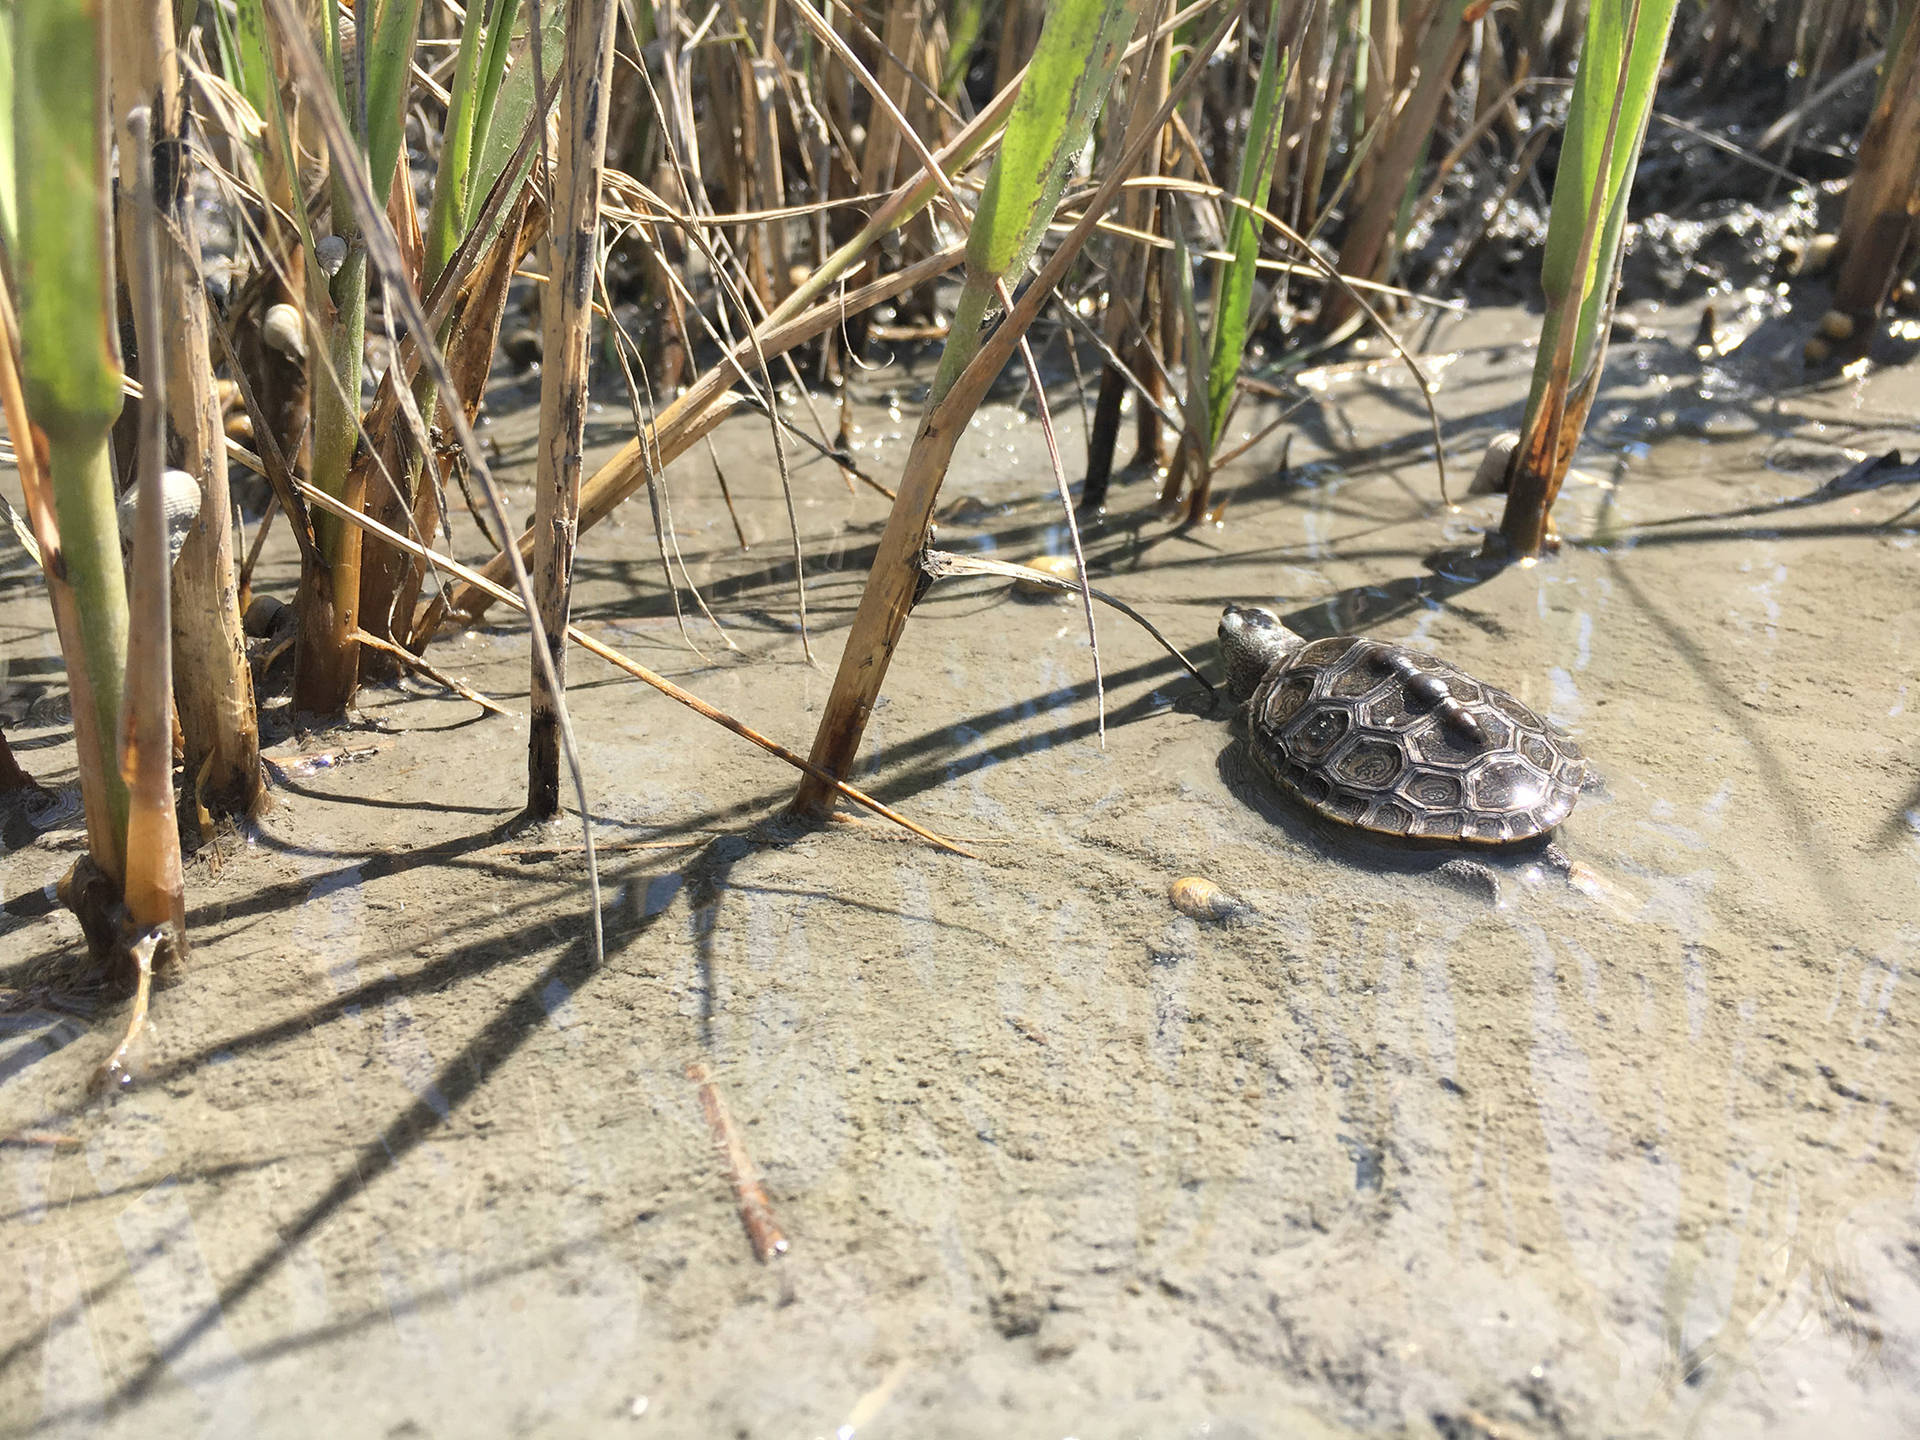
pixel 963 32
pixel 9 201
pixel 256 62
pixel 1069 79
pixel 1612 101
pixel 493 65
pixel 389 57
pixel 68 337
pixel 1613 57
pixel 1233 292
pixel 505 112
pixel 446 219
pixel 253 68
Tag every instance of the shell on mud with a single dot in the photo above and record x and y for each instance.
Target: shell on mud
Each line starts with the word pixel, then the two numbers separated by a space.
pixel 1200 898
pixel 1496 466
pixel 1397 741
pixel 1061 567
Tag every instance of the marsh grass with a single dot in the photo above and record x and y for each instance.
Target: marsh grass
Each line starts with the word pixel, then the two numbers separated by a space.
pixel 1264 183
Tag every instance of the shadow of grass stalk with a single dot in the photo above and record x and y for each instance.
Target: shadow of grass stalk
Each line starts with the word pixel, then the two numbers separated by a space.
pixel 634 668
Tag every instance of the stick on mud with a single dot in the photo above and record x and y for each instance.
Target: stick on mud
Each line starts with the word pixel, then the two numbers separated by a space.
pixel 756 1212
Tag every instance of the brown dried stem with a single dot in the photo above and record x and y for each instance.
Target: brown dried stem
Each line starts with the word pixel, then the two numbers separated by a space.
pixel 567 318
pixel 756 1211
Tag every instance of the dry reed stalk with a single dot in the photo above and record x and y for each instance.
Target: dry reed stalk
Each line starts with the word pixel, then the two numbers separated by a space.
pixel 213 684
pixel 1880 224
pixel 466 304
pixel 155 888
pixel 750 1196
pixel 894 578
pixel 1373 233
pixel 470 348
pixel 567 319
pixel 766 243
pixel 881 155
pixel 1126 331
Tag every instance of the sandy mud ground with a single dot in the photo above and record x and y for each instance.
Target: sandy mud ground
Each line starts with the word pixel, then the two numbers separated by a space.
pixel 1379 1158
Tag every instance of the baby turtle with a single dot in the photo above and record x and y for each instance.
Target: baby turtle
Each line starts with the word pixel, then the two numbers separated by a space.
pixel 1393 740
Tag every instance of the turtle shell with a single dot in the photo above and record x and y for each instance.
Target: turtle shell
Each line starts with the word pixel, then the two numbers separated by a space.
pixel 1401 742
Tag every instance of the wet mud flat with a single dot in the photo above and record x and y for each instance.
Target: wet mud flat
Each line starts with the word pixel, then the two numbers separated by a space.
pixel 1380 1156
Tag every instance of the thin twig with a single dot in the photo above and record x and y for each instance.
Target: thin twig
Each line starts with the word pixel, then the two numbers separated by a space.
pixel 756 1211
pixel 939 564
pixel 414 662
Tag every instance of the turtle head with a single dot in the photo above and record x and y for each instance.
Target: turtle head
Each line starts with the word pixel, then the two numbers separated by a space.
pixel 1251 640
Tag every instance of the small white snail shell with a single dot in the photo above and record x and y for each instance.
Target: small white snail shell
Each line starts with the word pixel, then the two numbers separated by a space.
pixel 280 327
pixel 180 501
pixel 1491 478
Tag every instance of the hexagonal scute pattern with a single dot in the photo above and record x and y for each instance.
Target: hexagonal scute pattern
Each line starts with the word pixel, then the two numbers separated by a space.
pixel 1401 742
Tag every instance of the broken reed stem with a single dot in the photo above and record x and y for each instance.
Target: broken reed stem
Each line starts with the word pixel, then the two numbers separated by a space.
pixel 383 249
pixel 756 1211
pixel 116 1072
pixel 567 317
pixel 400 655
pixel 634 668
pixel 940 564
